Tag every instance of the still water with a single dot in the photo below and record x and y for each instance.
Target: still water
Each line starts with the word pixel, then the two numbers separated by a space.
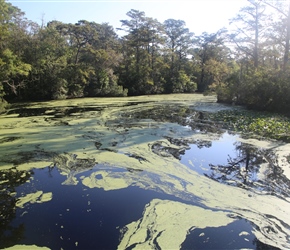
pixel 144 172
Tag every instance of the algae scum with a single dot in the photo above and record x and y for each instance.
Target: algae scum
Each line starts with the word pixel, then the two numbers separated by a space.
pixel 153 172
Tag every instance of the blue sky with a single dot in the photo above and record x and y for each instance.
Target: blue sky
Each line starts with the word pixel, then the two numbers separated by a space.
pixel 199 15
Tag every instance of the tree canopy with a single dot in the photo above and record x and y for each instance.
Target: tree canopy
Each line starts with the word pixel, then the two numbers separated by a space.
pixel 247 65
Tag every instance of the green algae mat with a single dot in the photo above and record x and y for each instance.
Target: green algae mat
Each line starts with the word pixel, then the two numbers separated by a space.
pixel 149 172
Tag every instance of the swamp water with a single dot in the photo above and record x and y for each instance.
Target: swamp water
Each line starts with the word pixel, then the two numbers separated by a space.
pixel 143 172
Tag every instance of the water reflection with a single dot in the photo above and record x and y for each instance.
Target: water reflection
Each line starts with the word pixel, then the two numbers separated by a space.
pixel 183 115
pixel 214 238
pixel 70 165
pixel 9 181
pixel 164 150
pixel 253 169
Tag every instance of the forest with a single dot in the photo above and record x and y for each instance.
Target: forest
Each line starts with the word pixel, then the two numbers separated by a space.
pixel 247 65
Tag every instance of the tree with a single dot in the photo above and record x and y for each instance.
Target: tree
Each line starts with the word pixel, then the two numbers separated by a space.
pixel 12 67
pixel 179 43
pixel 135 37
pixel 79 35
pixel 140 52
pixel 211 55
pixel 103 81
pixel 283 10
pixel 102 58
pixel 218 72
pixel 250 28
pixel 48 54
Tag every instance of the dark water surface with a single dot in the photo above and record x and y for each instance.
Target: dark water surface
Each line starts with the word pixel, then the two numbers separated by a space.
pixel 80 216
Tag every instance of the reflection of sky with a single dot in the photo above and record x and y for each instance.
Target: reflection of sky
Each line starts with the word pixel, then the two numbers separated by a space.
pixel 90 218
pixel 232 236
pixel 218 153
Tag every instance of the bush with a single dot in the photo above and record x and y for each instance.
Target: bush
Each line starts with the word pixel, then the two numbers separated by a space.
pixel 260 89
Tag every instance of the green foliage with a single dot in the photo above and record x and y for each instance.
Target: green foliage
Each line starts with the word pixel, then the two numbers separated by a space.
pixel 60 90
pixel 11 65
pixel 263 124
pixel 261 89
pixel 212 61
pixel 183 83
pixel 3 103
pixel 103 83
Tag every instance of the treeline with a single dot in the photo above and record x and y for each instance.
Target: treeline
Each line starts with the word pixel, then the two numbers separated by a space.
pixel 248 65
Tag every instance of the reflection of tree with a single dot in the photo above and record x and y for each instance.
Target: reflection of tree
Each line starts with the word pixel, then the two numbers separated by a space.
pixel 12 178
pixel 164 150
pixel 70 164
pixel 252 169
pixel 180 142
pixel 183 115
pixel 176 146
pixel 203 144
pixel 9 180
